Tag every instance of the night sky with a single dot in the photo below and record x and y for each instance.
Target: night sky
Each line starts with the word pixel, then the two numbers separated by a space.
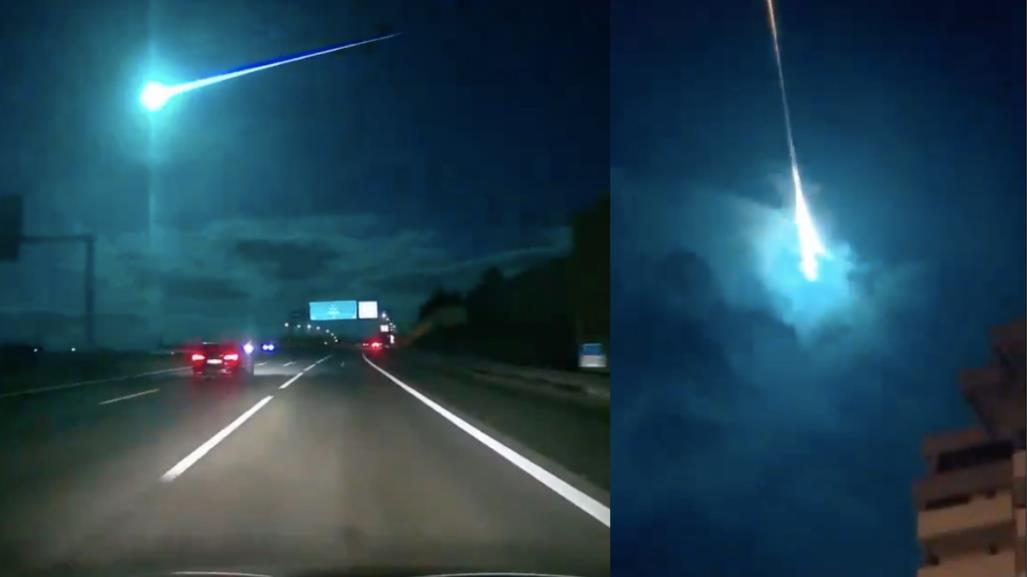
pixel 764 425
pixel 376 173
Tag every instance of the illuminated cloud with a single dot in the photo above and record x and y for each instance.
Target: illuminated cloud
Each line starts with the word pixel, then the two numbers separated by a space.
pixel 250 273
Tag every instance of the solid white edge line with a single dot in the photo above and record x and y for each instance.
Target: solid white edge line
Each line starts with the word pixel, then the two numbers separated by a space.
pixel 190 459
pixel 288 363
pixel 91 382
pixel 587 504
pixel 290 381
pixel 126 397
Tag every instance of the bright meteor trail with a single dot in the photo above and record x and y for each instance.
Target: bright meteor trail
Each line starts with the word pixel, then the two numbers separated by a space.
pixel 810 245
pixel 155 95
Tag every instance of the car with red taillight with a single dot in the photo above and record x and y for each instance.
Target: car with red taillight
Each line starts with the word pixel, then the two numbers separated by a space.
pixel 222 359
pixel 373 345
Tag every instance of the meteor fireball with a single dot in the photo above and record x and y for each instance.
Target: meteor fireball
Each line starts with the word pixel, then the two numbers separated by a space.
pixel 155 94
pixel 810 245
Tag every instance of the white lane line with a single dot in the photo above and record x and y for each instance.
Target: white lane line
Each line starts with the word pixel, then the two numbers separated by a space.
pixel 261 364
pixel 290 381
pixel 564 489
pixel 190 459
pixel 126 397
pixel 317 362
pixel 288 363
pixel 91 382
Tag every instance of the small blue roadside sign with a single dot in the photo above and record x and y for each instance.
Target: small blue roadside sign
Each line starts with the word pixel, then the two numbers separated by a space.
pixel 592 356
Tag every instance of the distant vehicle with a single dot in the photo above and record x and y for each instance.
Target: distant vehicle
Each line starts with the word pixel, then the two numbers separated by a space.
pixel 222 359
pixel 373 345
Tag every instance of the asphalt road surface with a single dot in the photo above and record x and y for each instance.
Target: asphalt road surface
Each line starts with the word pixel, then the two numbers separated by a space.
pixel 340 470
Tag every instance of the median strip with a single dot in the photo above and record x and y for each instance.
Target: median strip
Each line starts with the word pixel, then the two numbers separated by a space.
pixel 191 459
pixel 584 502
pixel 126 397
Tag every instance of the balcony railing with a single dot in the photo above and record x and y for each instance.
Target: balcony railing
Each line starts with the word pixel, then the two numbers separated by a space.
pixel 981 513
pixel 980 479
pixel 1001 564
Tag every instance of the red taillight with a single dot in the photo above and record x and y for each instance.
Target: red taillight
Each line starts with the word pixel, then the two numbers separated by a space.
pixel 232 357
pixel 376 345
pixel 198 357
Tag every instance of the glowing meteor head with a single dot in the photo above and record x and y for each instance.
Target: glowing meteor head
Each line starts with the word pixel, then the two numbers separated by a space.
pixel 155 95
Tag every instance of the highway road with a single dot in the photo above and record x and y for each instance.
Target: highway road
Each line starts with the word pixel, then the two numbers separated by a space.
pixel 318 465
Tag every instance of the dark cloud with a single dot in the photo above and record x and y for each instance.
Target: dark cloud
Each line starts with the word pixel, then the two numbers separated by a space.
pixel 722 422
pixel 745 395
pixel 225 274
pixel 287 260
pixel 463 274
pixel 756 397
pixel 417 282
pixel 215 290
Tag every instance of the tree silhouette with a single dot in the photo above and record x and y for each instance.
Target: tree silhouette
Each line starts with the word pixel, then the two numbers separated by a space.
pixel 440 299
pixel 539 315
